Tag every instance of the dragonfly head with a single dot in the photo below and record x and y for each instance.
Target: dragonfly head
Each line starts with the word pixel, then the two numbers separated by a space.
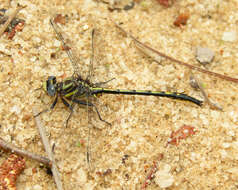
pixel 50 86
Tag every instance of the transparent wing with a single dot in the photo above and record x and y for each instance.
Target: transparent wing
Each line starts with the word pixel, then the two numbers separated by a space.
pixel 89 78
pixel 99 67
pixel 73 58
pixel 94 134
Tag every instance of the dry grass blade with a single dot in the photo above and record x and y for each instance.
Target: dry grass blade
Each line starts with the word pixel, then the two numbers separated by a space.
pixel 9 147
pixel 140 44
pixel 47 147
pixel 11 17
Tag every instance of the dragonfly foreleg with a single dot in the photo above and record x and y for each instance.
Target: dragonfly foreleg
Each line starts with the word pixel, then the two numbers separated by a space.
pixel 48 109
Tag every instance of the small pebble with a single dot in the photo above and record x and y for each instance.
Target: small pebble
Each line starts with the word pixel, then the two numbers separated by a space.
pixel 193 82
pixel 229 36
pixel 57 43
pixel 85 27
pixel 36 39
pixel 81 176
pixel 226 145
pixel 37 187
pixel 204 55
pixel 164 179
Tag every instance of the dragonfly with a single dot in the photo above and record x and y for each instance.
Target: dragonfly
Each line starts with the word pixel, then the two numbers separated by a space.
pixel 76 90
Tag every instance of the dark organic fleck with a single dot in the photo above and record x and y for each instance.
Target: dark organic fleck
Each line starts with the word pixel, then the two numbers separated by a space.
pixel 52 55
pixel 127 176
pixel 124 158
pixel 49 171
pixel 129 6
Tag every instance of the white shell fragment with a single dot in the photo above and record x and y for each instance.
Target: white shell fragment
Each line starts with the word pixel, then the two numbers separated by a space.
pixel 204 55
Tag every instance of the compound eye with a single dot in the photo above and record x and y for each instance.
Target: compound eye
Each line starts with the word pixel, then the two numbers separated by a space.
pixel 52 79
pixel 51 85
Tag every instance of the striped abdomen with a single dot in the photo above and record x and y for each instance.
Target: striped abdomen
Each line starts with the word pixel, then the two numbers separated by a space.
pixel 173 95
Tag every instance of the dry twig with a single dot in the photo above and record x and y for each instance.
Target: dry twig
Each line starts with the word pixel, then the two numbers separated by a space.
pixel 9 147
pixel 46 144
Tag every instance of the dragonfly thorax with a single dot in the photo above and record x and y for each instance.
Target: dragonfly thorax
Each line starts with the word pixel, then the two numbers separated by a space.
pixel 73 88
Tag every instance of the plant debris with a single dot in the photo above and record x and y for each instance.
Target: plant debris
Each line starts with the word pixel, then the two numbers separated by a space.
pixel 198 85
pixel 59 18
pixel 181 19
pixel 11 25
pixel 165 3
pixel 10 169
pixel 184 132
pixel 153 170
pixel 102 174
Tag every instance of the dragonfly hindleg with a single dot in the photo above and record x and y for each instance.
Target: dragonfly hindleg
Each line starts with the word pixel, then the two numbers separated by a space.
pixel 92 105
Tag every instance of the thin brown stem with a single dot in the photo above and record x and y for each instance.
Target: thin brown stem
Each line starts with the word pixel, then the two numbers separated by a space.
pixel 9 147
pixel 175 60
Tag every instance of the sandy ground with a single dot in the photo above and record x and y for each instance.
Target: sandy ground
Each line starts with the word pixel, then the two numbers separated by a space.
pixel 141 126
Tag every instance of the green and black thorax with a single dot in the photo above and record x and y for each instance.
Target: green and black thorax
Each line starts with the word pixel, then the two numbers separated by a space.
pixel 69 88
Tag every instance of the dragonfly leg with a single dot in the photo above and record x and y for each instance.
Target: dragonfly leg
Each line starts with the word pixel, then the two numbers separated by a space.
pixel 71 107
pixel 90 104
pixel 48 109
